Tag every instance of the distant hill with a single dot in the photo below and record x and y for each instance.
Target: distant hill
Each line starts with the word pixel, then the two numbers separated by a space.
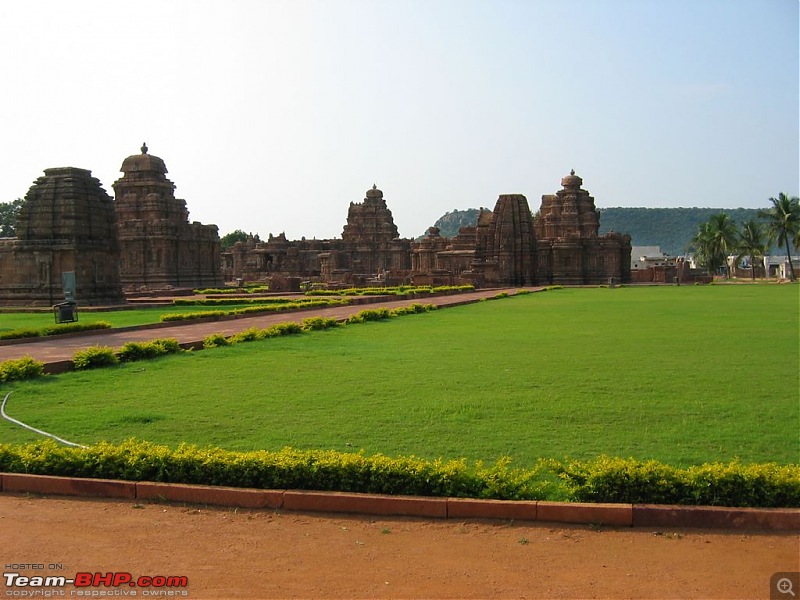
pixel 451 222
pixel 670 228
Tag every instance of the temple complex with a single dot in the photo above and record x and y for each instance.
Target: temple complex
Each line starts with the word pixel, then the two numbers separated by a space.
pixel 570 251
pixel 506 247
pixel 369 252
pixel 143 241
pixel 159 248
pixel 66 225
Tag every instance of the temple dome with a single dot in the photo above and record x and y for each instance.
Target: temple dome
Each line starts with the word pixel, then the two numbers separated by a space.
pixel 143 162
pixel 571 181
pixel 374 192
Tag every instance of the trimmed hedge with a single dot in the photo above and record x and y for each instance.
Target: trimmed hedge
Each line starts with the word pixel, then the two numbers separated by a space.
pixel 402 290
pixel 286 469
pixel 234 290
pixel 602 480
pixel 256 308
pixel 21 368
pixel 27 332
pixel 609 479
pixel 103 356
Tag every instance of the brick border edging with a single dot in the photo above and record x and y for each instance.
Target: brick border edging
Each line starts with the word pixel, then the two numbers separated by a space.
pixel 617 515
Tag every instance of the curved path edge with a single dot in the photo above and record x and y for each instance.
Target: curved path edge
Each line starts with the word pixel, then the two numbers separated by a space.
pixel 615 515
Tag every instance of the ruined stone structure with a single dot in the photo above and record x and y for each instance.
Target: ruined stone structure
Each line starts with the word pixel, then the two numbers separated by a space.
pixel 369 251
pixel 507 246
pixel 66 224
pixel 159 247
pixel 570 251
pixel 505 250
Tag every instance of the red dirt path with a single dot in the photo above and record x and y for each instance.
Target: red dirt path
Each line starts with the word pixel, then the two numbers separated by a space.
pixel 228 553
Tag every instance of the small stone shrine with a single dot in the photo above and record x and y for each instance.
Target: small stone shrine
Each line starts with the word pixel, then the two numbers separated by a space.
pixel 159 248
pixel 65 225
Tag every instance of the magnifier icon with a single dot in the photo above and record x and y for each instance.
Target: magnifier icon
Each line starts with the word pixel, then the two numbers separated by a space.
pixel 784 586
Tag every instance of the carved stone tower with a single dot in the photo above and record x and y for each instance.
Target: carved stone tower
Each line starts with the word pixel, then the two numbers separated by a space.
pixel 570 251
pixel 506 247
pixel 159 247
pixel 66 224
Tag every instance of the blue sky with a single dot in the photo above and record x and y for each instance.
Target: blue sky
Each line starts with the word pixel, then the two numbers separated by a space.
pixel 272 116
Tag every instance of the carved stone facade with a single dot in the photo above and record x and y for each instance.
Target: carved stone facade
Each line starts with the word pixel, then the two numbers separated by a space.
pixel 66 224
pixel 570 251
pixel 506 247
pixel 369 251
pixel 159 247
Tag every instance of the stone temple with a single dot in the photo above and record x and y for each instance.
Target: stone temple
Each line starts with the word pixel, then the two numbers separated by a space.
pixel 159 248
pixel 66 224
pixel 508 246
pixel 141 241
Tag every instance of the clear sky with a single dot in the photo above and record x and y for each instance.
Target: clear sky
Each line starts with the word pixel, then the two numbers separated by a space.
pixel 273 115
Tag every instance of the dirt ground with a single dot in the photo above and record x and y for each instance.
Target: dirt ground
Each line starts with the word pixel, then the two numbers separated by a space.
pixel 227 553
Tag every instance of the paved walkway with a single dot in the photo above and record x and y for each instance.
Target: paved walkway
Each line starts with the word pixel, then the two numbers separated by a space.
pixel 56 350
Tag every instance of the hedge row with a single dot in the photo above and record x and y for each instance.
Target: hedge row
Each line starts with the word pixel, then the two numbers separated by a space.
pixel 256 308
pixel 608 479
pixel 21 368
pixel 103 356
pixel 234 290
pixel 229 301
pixel 732 484
pixel 27 332
pixel 311 324
pixel 401 290
pixel 286 469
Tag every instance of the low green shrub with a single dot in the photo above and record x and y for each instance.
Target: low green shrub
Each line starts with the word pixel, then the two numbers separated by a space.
pixel 93 357
pixel 288 468
pixel 75 327
pixel 248 335
pixel 234 290
pixel 369 314
pixel 208 314
pixel 215 340
pixel 22 332
pixel 280 329
pixel 27 332
pixel 608 479
pixel 412 309
pixel 20 368
pixel 319 323
pixel 602 480
pixel 257 307
pixel 133 351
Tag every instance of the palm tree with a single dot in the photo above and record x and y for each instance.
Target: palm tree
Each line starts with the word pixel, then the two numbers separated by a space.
pixel 714 241
pixel 752 243
pixel 783 222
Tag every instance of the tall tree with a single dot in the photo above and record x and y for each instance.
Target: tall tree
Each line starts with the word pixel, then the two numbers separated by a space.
pixel 9 211
pixel 753 243
pixel 714 241
pixel 783 223
pixel 229 239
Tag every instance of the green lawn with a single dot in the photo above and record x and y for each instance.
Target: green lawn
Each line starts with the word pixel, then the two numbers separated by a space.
pixel 118 318
pixel 684 375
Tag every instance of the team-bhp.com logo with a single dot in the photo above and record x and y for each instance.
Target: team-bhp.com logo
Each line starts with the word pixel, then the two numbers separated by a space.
pixel 88 584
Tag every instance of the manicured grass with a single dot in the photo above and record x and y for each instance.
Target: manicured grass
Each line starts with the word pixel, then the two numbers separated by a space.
pixel 117 318
pixel 684 375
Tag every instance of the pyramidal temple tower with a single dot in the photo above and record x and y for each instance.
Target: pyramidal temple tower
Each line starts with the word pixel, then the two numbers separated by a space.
pixel 66 225
pixel 159 247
